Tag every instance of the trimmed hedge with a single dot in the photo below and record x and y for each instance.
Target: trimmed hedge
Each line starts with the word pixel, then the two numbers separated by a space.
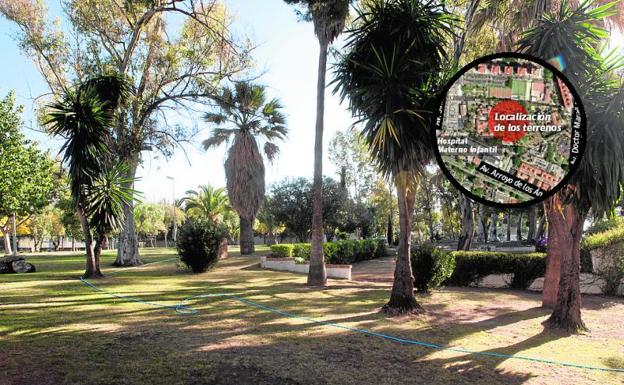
pixel 431 266
pixel 604 239
pixel 471 266
pixel 282 251
pixel 340 252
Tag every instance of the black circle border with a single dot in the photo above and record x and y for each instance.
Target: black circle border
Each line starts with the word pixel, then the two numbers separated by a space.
pixel 439 118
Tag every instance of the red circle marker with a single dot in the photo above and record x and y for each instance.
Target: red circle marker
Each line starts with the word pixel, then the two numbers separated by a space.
pixel 502 110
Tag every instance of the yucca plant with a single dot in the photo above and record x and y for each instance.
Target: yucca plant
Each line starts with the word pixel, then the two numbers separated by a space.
pixel 574 35
pixel 83 116
pixel 390 75
pixel 243 115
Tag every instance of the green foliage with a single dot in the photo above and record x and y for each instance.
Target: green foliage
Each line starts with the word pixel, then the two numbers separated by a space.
pixel 282 250
pixel 605 224
pixel 603 239
pixel 292 206
pixel 431 266
pixel 244 115
pixel 302 251
pixel 395 54
pixel 107 194
pixel 149 219
pixel 574 34
pixel 471 266
pixel 610 267
pixel 26 173
pixel 349 153
pixel 208 203
pixel 198 243
pixel 340 252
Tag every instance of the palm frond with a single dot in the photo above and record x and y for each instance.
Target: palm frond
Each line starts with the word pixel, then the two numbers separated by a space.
pixel 271 150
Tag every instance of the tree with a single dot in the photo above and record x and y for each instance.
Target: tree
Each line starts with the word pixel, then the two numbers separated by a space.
pixel 328 17
pixel 348 151
pixel 246 109
pixel 267 223
pixel 173 212
pixel 172 67
pixel 596 185
pixel 209 203
pixel 293 206
pixel 83 117
pixel 150 220
pixel 389 73
pixel 26 173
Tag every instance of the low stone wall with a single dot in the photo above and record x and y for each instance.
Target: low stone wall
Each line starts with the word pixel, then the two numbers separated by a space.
pixel 590 283
pixel 288 264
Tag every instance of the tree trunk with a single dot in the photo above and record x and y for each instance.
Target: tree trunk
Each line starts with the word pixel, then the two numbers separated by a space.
pixel 519 228
pixel 553 266
pixel 128 244
pixel 467 225
pixel 97 252
pixel 7 242
pixel 246 236
pixel 493 226
pixel 317 275
pixel 541 227
pixel 92 269
pixel 390 231
pixel 566 224
pixel 402 298
pixel 508 225
pixel 532 223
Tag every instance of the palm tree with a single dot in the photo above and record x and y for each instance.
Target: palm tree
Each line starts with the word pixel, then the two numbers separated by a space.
pixel 209 202
pixel 395 54
pixel 83 117
pixel 248 116
pixel 329 17
pixel 596 185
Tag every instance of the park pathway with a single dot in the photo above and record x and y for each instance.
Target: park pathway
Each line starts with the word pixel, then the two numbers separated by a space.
pixel 375 270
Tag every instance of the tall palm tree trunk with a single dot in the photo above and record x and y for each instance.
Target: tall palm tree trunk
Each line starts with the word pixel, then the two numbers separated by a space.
pixel 246 236
pixel 128 243
pixel 317 275
pixel 402 298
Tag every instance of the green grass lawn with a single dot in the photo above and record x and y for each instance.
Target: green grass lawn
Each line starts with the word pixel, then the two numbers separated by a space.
pixel 55 330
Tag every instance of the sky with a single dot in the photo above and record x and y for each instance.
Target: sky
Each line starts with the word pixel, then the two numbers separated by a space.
pixel 287 54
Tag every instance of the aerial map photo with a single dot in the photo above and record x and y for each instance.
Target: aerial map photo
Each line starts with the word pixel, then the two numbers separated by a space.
pixel 510 131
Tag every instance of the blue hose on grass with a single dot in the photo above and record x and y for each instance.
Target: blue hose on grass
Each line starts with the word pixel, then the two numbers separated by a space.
pixel 183 309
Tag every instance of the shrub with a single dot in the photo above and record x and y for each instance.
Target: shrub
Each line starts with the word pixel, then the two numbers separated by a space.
pixel 610 267
pixel 302 251
pixel 340 252
pixel 471 266
pixel 198 244
pixel 604 239
pixel 431 266
pixel 329 251
pixel 380 248
pixel 284 250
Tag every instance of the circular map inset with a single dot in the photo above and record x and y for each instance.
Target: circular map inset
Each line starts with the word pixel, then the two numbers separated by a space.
pixel 510 130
